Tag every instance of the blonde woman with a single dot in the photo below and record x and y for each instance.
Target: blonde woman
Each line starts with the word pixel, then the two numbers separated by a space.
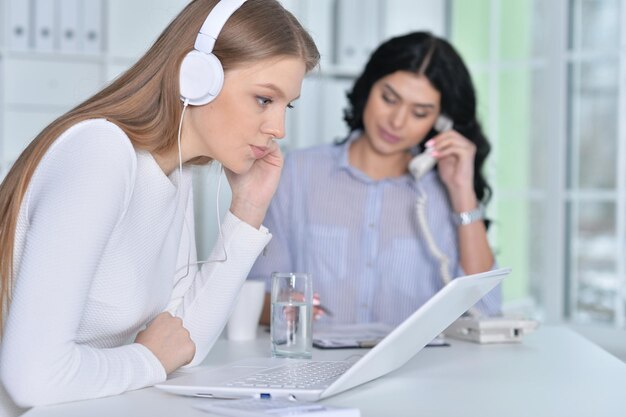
pixel 101 289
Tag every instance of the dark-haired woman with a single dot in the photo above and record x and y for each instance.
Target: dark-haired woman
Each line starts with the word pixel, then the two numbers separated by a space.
pixel 347 212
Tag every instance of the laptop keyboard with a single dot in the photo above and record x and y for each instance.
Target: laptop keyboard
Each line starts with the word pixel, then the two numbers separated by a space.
pixel 294 375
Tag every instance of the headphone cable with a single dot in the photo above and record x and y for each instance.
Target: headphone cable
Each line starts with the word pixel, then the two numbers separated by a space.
pixel 217 205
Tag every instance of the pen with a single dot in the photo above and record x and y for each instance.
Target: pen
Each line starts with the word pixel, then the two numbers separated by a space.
pixel 317 304
pixel 324 309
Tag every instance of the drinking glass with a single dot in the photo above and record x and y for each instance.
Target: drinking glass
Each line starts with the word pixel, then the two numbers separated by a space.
pixel 291 315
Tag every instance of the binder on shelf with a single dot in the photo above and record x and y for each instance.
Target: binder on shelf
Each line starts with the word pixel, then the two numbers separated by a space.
pixel 348 29
pixel 358 29
pixel 319 22
pixel 372 11
pixel 44 27
pixel 432 17
pixel 91 35
pixel 18 27
pixel 68 25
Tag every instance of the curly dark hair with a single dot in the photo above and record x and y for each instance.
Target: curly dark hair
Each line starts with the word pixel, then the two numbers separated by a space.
pixel 433 57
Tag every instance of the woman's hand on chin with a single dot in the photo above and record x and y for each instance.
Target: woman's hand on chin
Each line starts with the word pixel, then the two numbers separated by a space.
pixel 254 189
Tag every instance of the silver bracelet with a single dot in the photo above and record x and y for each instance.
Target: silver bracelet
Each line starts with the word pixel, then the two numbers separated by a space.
pixel 468 217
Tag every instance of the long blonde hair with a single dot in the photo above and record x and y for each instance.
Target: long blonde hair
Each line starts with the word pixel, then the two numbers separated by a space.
pixel 144 101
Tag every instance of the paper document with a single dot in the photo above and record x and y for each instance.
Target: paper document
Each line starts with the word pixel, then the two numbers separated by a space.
pixel 364 335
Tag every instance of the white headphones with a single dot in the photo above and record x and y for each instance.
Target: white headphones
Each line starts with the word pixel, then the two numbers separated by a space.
pixel 201 74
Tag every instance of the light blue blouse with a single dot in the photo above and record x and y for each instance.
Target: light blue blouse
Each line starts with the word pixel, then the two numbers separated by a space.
pixel 359 238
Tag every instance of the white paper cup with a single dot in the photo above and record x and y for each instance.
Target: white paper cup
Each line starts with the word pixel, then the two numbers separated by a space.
pixel 244 320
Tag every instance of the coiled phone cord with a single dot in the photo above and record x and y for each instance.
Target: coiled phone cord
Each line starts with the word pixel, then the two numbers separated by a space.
pixel 444 262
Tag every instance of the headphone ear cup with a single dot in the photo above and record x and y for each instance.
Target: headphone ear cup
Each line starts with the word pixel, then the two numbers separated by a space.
pixel 201 78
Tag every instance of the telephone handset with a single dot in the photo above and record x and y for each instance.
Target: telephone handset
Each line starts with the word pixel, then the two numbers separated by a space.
pixel 423 162
pixel 418 166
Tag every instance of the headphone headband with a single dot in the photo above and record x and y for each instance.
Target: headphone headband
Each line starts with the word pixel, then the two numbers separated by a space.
pixel 213 24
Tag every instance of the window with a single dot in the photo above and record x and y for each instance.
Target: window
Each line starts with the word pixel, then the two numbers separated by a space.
pixel 550 79
pixel 507 58
pixel 595 174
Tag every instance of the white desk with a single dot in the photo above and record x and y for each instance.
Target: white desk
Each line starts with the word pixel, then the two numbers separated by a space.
pixel 554 372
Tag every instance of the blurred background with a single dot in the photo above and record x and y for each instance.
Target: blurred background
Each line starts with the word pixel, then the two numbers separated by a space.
pixel 551 84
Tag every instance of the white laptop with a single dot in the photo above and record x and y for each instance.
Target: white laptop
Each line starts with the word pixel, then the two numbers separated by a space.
pixel 311 380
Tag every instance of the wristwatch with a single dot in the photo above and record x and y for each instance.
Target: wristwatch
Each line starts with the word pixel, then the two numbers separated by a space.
pixel 467 217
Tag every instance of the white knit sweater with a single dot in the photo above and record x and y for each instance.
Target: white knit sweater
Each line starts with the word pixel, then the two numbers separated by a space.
pixel 98 253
